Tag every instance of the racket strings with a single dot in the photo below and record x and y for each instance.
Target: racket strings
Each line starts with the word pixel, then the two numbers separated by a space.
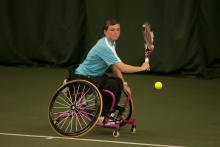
pixel 148 36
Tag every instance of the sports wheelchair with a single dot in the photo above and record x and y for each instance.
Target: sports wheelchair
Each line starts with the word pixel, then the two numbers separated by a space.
pixel 76 107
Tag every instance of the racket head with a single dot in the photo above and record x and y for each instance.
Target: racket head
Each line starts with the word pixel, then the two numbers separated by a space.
pixel 148 36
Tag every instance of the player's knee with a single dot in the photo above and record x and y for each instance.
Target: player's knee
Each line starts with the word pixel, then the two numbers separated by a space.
pixel 119 83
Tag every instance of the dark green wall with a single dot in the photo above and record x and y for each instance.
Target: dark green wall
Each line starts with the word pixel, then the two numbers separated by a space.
pixel 60 32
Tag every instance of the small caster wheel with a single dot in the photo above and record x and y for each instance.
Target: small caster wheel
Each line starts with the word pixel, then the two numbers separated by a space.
pixel 115 133
pixel 133 129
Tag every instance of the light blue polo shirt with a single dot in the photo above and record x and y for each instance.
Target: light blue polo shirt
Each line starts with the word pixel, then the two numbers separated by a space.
pixel 100 57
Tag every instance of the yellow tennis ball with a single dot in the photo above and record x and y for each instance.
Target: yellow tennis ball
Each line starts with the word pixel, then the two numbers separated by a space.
pixel 158 85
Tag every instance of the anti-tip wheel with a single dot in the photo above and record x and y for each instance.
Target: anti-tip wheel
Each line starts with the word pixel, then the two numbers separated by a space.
pixel 133 129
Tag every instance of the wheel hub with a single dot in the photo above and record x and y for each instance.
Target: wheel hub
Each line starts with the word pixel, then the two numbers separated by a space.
pixel 73 107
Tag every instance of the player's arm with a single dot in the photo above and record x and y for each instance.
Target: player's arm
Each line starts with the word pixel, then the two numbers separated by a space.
pixel 118 74
pixel 125 68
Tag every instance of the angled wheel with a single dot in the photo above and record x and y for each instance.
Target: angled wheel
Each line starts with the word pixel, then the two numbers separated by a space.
pixel 75 108
pixel 127 110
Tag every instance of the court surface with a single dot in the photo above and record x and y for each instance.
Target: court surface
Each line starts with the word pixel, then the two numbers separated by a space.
pixel 184 113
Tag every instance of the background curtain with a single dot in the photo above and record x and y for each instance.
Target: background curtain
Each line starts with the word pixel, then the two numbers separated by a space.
pixel 60 33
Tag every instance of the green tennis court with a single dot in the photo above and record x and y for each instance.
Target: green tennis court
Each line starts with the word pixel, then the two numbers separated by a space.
pixel 39 39
pixel 184 113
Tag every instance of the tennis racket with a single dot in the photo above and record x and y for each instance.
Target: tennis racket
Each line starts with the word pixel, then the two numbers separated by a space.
pixel 148 40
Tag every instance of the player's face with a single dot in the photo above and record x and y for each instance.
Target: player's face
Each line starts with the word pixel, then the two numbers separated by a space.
pixel 113 32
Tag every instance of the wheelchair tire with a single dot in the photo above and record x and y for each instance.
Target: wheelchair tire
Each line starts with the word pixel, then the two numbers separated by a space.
pixel 75 108
pixel 128 110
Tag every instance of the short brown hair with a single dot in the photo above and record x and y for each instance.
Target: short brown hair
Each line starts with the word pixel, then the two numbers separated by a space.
pixel 109 22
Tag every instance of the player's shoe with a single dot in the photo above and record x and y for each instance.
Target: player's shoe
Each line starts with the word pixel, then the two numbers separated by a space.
pixel 102 119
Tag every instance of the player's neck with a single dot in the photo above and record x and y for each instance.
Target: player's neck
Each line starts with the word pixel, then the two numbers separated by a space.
pixel 112 43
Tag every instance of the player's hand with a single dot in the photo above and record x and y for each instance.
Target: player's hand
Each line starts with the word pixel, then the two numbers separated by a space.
pixel 145 66
pixel 127 90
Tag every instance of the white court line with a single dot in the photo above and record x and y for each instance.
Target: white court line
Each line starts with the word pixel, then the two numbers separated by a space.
pixel 83 139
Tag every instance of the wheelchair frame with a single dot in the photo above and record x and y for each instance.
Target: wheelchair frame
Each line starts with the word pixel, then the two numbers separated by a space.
pixel 76 106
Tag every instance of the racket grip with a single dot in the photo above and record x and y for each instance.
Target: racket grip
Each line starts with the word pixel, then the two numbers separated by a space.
pixel 146 59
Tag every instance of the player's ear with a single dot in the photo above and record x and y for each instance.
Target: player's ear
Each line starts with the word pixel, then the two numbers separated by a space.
pixel 105 32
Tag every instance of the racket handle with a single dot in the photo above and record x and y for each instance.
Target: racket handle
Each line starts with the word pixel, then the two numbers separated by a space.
pixel 146 59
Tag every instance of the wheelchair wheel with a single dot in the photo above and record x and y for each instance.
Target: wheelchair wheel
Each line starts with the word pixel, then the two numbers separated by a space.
pixel 128 110
pixel 75 108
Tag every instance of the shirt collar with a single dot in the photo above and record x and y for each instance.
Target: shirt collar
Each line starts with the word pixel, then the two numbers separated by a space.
pixel 112 45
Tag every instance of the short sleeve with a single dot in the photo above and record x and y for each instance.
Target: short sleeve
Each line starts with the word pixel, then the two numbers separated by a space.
pixel 109 55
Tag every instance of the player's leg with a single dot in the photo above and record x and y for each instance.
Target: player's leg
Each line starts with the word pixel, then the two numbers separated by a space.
pixel 115 85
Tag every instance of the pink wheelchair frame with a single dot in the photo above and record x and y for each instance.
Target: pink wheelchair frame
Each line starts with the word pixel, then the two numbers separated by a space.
pixel 117 126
